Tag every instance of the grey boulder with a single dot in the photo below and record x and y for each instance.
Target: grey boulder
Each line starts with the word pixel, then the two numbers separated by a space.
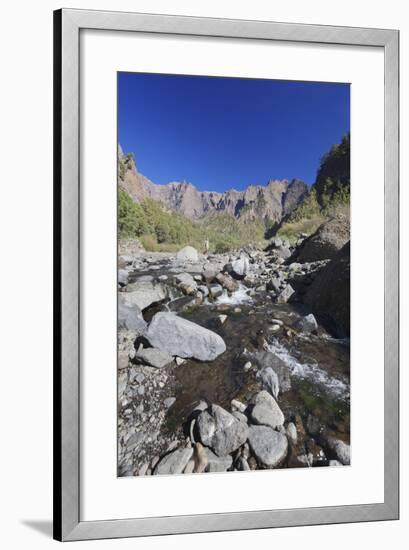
pixel 220 430
pixel 329 293
pixel 266 411
pixel 217 463
pixel 267 362
pixel 269 447
pixel 327 241
pixel 144 293
pixel 269 380
pixel 227 282
pixel 307 324
pixel 188 254
pixel 130 317
pixel 123 277
pixel 274 284
pixel 203 290
pixel 186 283
pixel 215 290
pixel 240 267
pixel 285 294
pixel 341 450
pixel 174 462
pixel 178 336
pixel 283 252
pixel 209 273
pixel 153 357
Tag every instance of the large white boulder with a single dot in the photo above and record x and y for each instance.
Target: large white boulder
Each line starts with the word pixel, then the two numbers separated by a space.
pixel 180 337
pixel 188 254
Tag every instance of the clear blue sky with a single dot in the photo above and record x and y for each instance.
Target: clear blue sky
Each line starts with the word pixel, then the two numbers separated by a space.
pixel 223 133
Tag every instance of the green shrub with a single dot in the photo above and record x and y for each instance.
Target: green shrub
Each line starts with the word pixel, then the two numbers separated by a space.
pixel 334 174
pixel 329 194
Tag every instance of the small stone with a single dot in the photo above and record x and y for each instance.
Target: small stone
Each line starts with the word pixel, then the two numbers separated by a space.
pixel 307 324
pixel 269 380
pixel 247 366
pixel 222 318
pixel 168 402
pixel 240 416
pixel 203 290
pixel 285 294
pixel 216 290
pixel 180 361
pixel 201 406
pixel 237 405
pixel 186 283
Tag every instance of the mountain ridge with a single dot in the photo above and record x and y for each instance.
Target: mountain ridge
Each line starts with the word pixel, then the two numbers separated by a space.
pixel 268 203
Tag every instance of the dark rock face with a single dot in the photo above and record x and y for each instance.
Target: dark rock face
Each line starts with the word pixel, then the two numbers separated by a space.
pixel 326 242
pixel 329 294
pixel 296 191
pixel 256 202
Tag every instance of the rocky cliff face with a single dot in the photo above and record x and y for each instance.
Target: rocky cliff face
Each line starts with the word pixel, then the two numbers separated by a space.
pixel 263 203
pixel 329 294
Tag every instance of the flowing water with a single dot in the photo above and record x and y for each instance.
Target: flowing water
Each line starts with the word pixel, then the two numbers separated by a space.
pixel 318 364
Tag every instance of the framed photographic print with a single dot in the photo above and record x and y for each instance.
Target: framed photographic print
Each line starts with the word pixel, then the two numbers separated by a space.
pixel 226 274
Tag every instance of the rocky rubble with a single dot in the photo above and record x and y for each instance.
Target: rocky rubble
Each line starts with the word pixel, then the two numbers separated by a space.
pixel 155 290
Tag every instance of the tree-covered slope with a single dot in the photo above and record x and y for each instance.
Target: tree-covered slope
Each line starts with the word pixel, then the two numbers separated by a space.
pixel 158 228
pixel 329 194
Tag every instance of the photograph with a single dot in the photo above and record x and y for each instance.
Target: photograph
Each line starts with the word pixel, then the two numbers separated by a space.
pixel 233 274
